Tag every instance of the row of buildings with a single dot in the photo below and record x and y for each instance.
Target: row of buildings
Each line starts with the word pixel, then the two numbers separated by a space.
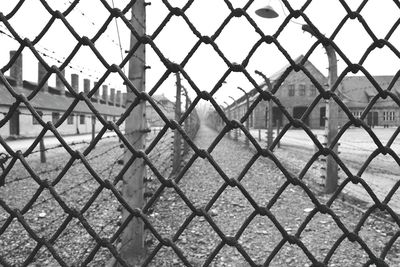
pixel 52 102
pixel 297 92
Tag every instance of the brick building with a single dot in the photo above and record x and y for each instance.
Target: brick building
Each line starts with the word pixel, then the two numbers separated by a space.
pixel 297 92
pixel 51 103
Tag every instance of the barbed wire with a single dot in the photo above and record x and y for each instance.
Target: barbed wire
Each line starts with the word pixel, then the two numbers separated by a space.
pixel 60 61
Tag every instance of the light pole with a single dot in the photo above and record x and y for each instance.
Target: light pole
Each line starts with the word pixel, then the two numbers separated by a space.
pixel 248 107
pixel 235 113
pixel 269 121
pixel 331 116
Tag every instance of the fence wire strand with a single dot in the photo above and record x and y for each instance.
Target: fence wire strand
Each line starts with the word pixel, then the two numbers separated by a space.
pixel 155 154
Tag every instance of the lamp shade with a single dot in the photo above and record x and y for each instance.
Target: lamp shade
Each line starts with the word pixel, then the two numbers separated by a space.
pixel 267 12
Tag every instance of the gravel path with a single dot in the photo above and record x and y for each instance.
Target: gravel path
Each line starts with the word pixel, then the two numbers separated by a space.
pixel 261 241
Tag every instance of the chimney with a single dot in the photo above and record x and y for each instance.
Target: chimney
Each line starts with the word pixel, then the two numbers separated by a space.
pixel 16 69
pixel 124 95
pixel 118 100
pixel 86 86
pixel 97 94
pixel 105 93
pixel 75 82
pixel 112 96
pixel 59 84
pixel 41 73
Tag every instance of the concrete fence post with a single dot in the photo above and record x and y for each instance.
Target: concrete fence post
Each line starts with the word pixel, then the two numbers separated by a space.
pixel 132 238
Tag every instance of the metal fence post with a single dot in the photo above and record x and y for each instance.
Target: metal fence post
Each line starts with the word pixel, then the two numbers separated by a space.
pixel 177 139
pixel 132 238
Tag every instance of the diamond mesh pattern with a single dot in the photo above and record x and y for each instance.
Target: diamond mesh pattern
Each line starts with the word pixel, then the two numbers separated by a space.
pixel 8 161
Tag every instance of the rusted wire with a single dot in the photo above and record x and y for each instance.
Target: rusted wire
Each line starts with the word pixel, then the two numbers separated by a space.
pixel 158 146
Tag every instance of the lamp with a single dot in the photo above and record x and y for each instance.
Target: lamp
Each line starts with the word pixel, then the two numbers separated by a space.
pixel 267 12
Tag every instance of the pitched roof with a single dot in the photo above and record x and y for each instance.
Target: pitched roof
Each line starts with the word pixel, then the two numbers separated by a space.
pixel 274 77
pixel 49 101
pixel 308 65
pixel 359 89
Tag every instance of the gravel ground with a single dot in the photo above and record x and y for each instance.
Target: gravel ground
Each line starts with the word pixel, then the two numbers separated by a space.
pixel 45 216
pixel 261 240
pixel 261 237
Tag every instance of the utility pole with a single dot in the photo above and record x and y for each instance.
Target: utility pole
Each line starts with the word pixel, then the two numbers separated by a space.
pixel 332 115
pixel 132 237
pixel 177 138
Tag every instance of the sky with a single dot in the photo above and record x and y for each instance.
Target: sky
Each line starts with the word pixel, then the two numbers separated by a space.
pixel 176 39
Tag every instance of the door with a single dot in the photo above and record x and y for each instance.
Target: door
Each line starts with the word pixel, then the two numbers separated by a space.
pixel 277 116
pixel 14 123
pixel 298 112
pixel 372 118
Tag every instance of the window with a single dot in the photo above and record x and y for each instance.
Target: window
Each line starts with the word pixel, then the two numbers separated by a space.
pixel 302 90
pixel 55 116
pixel 105 117
pixel 357 114
pixel 34 120
pixel 392 115
pixel 82 119
pixel 389 116
pixel 313 90
pixel 291 89
pixel 70 119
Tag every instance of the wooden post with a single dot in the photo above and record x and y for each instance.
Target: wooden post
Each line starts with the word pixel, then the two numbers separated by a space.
pixel 177 138
pixel 132 238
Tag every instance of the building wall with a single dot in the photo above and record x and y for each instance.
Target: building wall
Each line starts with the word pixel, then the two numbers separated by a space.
pixel 27 127
pixel 5 129
pixel 387 116
pixel 295 93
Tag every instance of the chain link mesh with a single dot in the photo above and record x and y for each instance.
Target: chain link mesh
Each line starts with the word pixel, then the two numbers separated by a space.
pixel 159 143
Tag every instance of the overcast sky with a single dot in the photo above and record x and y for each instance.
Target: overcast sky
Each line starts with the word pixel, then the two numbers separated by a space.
pixel 176 39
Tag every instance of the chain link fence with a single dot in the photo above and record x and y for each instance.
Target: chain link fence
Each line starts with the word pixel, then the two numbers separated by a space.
pixel 124 185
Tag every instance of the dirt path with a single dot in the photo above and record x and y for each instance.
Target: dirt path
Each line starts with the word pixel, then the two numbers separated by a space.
pixel 255 239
